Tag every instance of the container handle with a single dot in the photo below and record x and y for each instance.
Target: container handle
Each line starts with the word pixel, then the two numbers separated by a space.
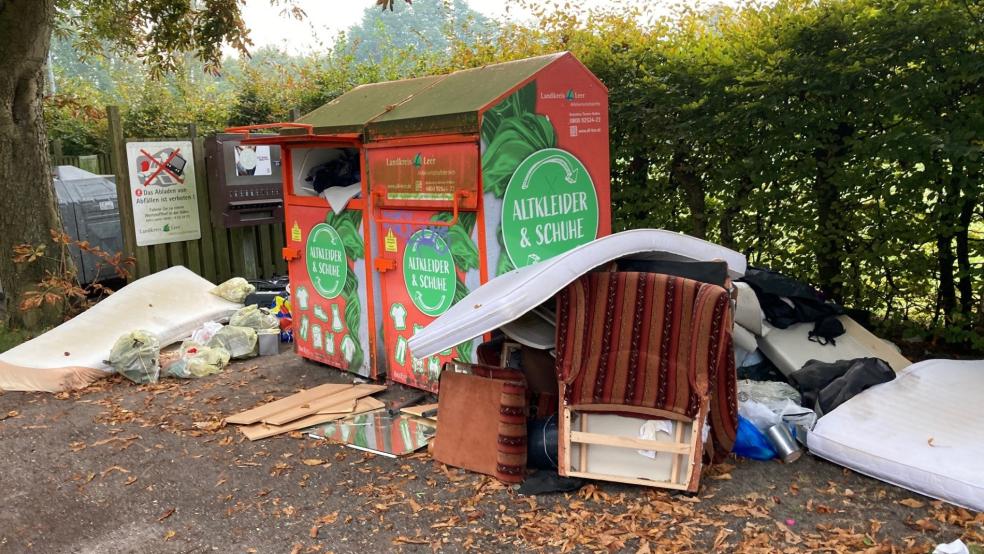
pixel 377 211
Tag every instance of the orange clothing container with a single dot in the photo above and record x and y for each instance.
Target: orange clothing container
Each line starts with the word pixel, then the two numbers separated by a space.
pixel 453 179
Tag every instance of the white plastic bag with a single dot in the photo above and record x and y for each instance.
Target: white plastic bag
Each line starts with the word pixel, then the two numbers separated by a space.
pixel 205 333
pixel 234 290
pixel 136 356
pixel 773 394
pixel 759 414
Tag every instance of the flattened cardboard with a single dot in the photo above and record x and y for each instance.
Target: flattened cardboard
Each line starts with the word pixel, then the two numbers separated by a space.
pixel 317 405
pixel 259 431
pixel 257 414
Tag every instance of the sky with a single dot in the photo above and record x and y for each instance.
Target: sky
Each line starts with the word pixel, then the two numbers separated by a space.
pixel 325 18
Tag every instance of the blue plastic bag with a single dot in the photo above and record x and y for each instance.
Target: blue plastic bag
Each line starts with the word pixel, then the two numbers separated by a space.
pixel 751 443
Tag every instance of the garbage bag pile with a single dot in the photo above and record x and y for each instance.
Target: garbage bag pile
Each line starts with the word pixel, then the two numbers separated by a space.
pixel 208 350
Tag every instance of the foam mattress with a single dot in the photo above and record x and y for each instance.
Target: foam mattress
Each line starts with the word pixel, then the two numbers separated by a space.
pixel 923 431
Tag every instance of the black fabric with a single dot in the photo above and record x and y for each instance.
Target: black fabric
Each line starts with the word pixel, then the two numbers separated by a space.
pixel 826 331
pixel 546 481
pixel 339 172
pixel 542 443
pixel 762 371
pixel 774 289
pixel 825 386
pixel 715 273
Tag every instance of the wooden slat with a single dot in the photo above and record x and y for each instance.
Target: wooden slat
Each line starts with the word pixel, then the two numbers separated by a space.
pixel 675 465
pixel 117 154
pixel 564 433
pixel 279 241
pixel 193 247
pixel 628 442
pixel 223 262
pixel 176 254
pixel 206 243
pixel 237 261
pixel 266 257
pixel 582 448
pixel 160 258
pixel 629 480
pixel 251 261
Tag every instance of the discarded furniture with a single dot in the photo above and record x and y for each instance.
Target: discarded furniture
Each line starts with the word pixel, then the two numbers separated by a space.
pixel 483 421
pixel 633 347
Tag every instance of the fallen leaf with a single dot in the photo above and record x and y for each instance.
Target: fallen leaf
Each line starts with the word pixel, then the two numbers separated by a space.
pixel 930 441
pixel 911 503
pixel 131 480
pixel 169 535
pixel 107 471
pixel 410 540
pixel 644 548
pixel 313 462
pixel 166 514
pixel 328 519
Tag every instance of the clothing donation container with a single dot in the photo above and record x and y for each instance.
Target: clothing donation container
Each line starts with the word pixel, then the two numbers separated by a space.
pixel 401 197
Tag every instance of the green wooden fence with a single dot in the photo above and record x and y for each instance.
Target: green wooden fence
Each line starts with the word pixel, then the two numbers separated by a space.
pixel 251 252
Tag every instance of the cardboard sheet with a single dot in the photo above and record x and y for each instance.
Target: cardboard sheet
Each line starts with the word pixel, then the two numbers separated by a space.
pixel 271 408
pixel 921 431
pixel 330 403
pixel 789 349
pixel 259 431
pixel 170 303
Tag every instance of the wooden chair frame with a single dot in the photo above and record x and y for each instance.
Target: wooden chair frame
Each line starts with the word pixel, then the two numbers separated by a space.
pixel 687 451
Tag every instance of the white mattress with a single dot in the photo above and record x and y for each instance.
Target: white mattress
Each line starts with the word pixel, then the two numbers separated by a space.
pixel 923 431
pixel 511 295
pixel 789 349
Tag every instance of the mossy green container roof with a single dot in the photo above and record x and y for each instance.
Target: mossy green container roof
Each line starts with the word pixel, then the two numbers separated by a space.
pixel 438 104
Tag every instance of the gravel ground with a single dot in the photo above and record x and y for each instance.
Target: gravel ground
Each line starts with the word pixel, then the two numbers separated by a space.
pixel 125 468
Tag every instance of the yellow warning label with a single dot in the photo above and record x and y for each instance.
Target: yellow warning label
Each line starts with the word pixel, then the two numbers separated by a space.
pixel 389 241
pixel 295 233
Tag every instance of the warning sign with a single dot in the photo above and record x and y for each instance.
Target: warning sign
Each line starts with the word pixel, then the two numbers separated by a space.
pixel 163 192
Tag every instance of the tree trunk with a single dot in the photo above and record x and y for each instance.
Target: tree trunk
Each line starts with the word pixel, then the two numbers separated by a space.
pixel 966 286
pixel 828 249
pixel 732 211
pixel 30 210
pixel 831 232
pixel 683 175
pixel 946 224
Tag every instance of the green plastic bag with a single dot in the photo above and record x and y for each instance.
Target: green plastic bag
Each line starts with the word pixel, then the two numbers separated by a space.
pixel 198 361
pixel 240 342
pixel 234 290
pixel 254 317
pixel 137 356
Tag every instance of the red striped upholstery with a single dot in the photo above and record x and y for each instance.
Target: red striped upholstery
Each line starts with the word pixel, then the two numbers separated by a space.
pixel 649 344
